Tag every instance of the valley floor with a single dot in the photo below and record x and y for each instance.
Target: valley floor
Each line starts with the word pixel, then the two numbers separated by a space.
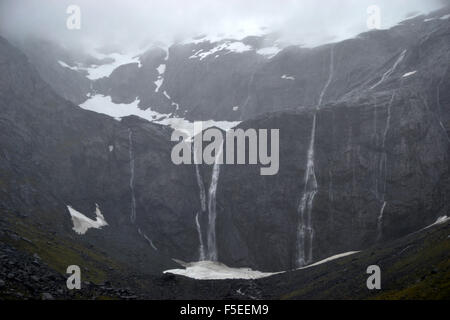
pixel 413 267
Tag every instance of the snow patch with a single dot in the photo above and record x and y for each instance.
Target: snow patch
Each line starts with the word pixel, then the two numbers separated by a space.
pixel 167 95
pixel 447 16
pixel 269 52
pixel 65 65
pixel 229 46
pixel 176 105
pixel 238 47
pixel 105 70
pixel 235 108
pixel 287 77
pixel 159 81
pixel 409 74
pixel 103 104
pixel 81 223
pixel 438 221
pixel 212 270
pixel 239 31
pixel 161 69
pixel 337 256
pixel 111 148
pixel 172 103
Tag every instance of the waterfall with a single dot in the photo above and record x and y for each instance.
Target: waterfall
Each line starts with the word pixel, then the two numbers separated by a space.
pixel 380 222
pixel 212 246
pixel 388 73
pixel 330 186
pixel 208 252
pixel 202 254
pixel 133 198
pixel 438 101
pixel 383 169
pixel 375 137
pixel 247 100
pixel 330 77
pixel 201 187
pixel 383 164
pixel 330 197
pixel 305 231
pixel 150 242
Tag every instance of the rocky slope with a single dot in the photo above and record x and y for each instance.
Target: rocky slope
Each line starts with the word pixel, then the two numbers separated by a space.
pixel 381 154
pixel 381 169
pixel 54 154
pixel 381 148
pixel 412 267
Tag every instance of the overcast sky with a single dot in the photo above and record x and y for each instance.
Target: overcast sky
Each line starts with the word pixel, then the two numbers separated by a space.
pixel 129 22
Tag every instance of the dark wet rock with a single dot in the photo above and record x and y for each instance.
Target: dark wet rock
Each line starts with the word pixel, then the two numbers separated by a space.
pixel 46 57
pixel 379 147
pixel 47 296
pixel 258 228
pixel 72 166
pixel 27 240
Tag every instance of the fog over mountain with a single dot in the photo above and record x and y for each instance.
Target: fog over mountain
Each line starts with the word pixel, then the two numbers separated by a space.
pixel 306 22
pixel 349 97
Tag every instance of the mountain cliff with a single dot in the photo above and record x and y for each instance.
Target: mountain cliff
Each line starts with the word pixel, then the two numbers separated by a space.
pixel 364 148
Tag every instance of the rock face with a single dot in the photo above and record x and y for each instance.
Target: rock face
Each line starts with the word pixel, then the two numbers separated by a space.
pixel 380 154
pixel 28 277
pixel 234 80
pixel 380 170
pixel 381 146
pixel 55 154
pixel 48 59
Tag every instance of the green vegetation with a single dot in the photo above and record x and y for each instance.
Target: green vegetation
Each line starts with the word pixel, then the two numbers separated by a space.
pixel 414 267
pixel 58 252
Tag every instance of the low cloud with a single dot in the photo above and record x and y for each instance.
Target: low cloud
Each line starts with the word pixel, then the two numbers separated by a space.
pixel 130 23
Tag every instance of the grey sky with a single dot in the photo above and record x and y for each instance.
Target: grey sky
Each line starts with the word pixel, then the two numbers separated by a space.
pixel 130 22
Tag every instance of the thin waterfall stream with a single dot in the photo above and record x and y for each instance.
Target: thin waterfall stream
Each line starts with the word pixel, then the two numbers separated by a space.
pixel 133 198
pixel 383 170
pixel 212 245
pixel 305 231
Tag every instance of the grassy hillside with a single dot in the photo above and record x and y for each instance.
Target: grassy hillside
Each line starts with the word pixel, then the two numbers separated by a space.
pixel 414 267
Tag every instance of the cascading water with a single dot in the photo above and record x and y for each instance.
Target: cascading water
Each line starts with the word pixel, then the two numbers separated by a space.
pixel 383 170
pixel 133 198
pixel 201 187
pixel 212 246
pixel 438 100
pixel 375 139
pixel 388 73
pixel 150 242
pixel 305 231
pixel 380 221
pixel 330 78
pixel 202 254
